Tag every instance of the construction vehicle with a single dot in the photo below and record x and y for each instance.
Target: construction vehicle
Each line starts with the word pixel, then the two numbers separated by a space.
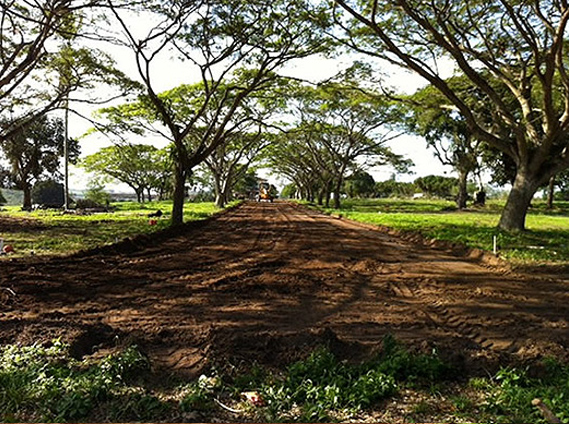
pixel 265 192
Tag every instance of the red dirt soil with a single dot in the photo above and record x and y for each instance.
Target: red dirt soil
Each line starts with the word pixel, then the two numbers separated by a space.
pixel 267 282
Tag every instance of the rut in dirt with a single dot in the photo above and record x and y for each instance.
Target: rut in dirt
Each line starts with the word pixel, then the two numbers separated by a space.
pixel 268 282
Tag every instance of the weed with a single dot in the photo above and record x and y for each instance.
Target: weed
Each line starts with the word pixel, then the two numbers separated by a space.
pixel 321 386
pixel 199 395
pixel 422 408
pixel 44 383
pixel 462 404
pixel 510 393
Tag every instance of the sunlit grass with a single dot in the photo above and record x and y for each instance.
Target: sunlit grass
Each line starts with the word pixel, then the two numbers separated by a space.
pixel 546 238
pixel 53 232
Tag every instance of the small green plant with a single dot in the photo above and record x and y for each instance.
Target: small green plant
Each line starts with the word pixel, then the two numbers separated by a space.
pixel 40 383
pixel 510 393
pixel 199 395
pixel 322 386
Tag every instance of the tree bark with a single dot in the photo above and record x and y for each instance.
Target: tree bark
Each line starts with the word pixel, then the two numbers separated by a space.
pixel 27 189
pixel 550 192
pixel 513 216
pixel 337 191
pixel 462 190
pixel 178 195
pixel 219 195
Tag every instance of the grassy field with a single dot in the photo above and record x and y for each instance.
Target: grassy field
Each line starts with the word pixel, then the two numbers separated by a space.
pixel 53 232
pixel 546 239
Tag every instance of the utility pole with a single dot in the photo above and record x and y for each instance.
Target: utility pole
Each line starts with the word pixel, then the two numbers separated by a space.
pixel 66 157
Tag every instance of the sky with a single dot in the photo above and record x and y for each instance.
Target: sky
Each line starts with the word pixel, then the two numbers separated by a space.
pixel 169 74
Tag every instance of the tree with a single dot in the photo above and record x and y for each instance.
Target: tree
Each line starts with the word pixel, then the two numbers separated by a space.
pixel 231 160
pixel 42 63
pixel 360 184
pixel 96 193
pixel 436 185
pixel 48 193
pixel 446 132
pixel 291 156
pixel 25 32
pixel 247 183
pixel 34 152
pixel 289 191
pixel 341 129
pixel 520 44
pixel 140 166
pixel 562 183
pixel 219 40
pixel 393 188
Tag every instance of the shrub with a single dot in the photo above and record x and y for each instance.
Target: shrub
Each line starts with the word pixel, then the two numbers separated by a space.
pixel 48 194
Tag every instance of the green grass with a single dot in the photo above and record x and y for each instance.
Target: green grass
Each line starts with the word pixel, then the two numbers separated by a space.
pixel 52 232
pixel 44 384
pixel 546 238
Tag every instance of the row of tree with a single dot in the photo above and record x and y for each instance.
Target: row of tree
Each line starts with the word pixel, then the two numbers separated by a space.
pixel 509 95
pixel 362 185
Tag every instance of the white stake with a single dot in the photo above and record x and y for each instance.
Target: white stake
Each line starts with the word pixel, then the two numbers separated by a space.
pixel 495 249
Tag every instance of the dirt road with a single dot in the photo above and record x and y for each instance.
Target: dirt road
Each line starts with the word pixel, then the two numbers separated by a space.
pixel 266 282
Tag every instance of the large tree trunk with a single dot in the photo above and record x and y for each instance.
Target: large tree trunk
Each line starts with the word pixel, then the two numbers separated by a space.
pixel 219 194
pixel 337 201
pixel 462 190
pixel 321 194
pixel 514 214
pixel 226 193
pixel 550 192
pixel 179 195
pixel 220 200
pixel 27 189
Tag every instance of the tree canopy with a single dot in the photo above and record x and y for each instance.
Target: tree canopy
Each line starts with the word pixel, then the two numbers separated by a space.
pixel 34 153
pixel 520 45
pixel 142 167
pixel 218 41
pixel 338 130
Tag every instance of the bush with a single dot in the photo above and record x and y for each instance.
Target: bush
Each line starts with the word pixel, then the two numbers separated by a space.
pixel 437 186
pixel 49 194
pixel 97 195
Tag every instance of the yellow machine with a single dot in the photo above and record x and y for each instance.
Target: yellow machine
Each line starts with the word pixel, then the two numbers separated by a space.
pixel 265 192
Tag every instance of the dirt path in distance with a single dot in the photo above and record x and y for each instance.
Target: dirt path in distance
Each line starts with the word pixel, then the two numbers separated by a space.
pixel 267 282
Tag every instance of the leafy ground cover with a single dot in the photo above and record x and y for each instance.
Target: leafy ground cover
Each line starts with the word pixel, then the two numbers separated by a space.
pixel 53 232
pixel 45 384
pixel 545 240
